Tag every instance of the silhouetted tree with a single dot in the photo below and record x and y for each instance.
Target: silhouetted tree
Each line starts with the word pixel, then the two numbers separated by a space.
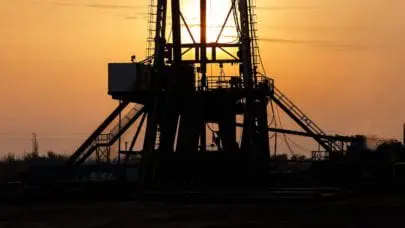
pixel 52 155
pixel 298 157
pixel 31 156
pixel 10 158
pixel 390 151
pixel 358 150
pixel 280 157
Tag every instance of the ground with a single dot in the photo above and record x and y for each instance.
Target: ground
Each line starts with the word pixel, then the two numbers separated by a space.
pixel 366 212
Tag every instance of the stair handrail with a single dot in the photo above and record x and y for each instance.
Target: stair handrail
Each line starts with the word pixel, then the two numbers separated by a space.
pixel 302 117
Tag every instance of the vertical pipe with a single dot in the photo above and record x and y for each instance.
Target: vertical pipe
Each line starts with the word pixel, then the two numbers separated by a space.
pixel 163 20
pixel 275 145
pixel 203 138
pixel 203 41
pixel 176 31
pixel 119 139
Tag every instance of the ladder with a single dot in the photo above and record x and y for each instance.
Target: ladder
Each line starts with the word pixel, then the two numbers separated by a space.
pixel 150 40
pixel 256 62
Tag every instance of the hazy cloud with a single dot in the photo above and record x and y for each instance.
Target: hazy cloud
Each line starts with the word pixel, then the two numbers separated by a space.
pixel 108 6
pixel 344 46
pixel 8 118
pixel 292 41
pixel 98 6
pixel 131 17
pixel 287 7
pixel 319 43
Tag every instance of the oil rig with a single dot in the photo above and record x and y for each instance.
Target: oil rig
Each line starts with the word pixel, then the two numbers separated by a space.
pixel 174 105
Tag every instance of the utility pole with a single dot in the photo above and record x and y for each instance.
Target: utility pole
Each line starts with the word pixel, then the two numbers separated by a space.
pixel 35 145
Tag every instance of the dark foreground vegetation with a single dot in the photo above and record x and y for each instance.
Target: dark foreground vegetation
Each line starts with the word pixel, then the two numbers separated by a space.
pixel 12 167
pixel 360 166
pixel 374 178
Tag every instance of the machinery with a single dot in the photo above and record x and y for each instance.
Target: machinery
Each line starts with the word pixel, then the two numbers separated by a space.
pixel 178 105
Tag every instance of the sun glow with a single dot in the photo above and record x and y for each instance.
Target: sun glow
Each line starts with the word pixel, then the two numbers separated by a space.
pixel 216 16
pixel 217 12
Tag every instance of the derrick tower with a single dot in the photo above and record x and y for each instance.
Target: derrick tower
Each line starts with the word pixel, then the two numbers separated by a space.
pixel 200 126
pixel 185 99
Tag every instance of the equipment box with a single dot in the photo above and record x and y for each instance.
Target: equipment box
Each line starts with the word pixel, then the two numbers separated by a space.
pixel 128 78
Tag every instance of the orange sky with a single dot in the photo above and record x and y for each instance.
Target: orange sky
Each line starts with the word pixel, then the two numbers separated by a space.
pixel 340 61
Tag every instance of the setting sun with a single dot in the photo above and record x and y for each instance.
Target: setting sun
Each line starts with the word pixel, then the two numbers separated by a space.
pixel 216 15
pixel 221 28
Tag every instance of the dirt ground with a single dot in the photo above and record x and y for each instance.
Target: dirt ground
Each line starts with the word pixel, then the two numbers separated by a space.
pixel 383 212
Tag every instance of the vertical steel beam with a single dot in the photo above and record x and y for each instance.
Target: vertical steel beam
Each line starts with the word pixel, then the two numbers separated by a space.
pixel 119 138
pixel 263 130
pixel 248 128
pixel 203 41
pixel 203 64
pixel 149 157
pixel 176 31
pixel 160 35
pixel 246 43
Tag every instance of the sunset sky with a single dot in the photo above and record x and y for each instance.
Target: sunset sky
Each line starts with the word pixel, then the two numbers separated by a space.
pixel 341 61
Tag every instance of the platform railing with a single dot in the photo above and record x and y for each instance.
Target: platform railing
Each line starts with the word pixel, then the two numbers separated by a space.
pixel 235 82
pixel 93 142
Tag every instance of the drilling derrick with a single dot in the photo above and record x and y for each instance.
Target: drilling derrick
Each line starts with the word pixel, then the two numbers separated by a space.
pixel 180 105
pixel 184 100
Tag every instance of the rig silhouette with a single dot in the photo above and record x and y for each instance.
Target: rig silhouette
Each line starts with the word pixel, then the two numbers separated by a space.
pixel 172 96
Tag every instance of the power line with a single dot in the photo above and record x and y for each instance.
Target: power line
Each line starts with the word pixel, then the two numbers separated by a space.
pixel 272 120
pixel 275 124
pixel 284 136
pixel 299 146
pixel 287 139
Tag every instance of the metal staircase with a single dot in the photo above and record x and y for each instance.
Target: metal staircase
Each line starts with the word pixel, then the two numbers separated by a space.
pixel 92 143
pixel 304 121
pixel 279 98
